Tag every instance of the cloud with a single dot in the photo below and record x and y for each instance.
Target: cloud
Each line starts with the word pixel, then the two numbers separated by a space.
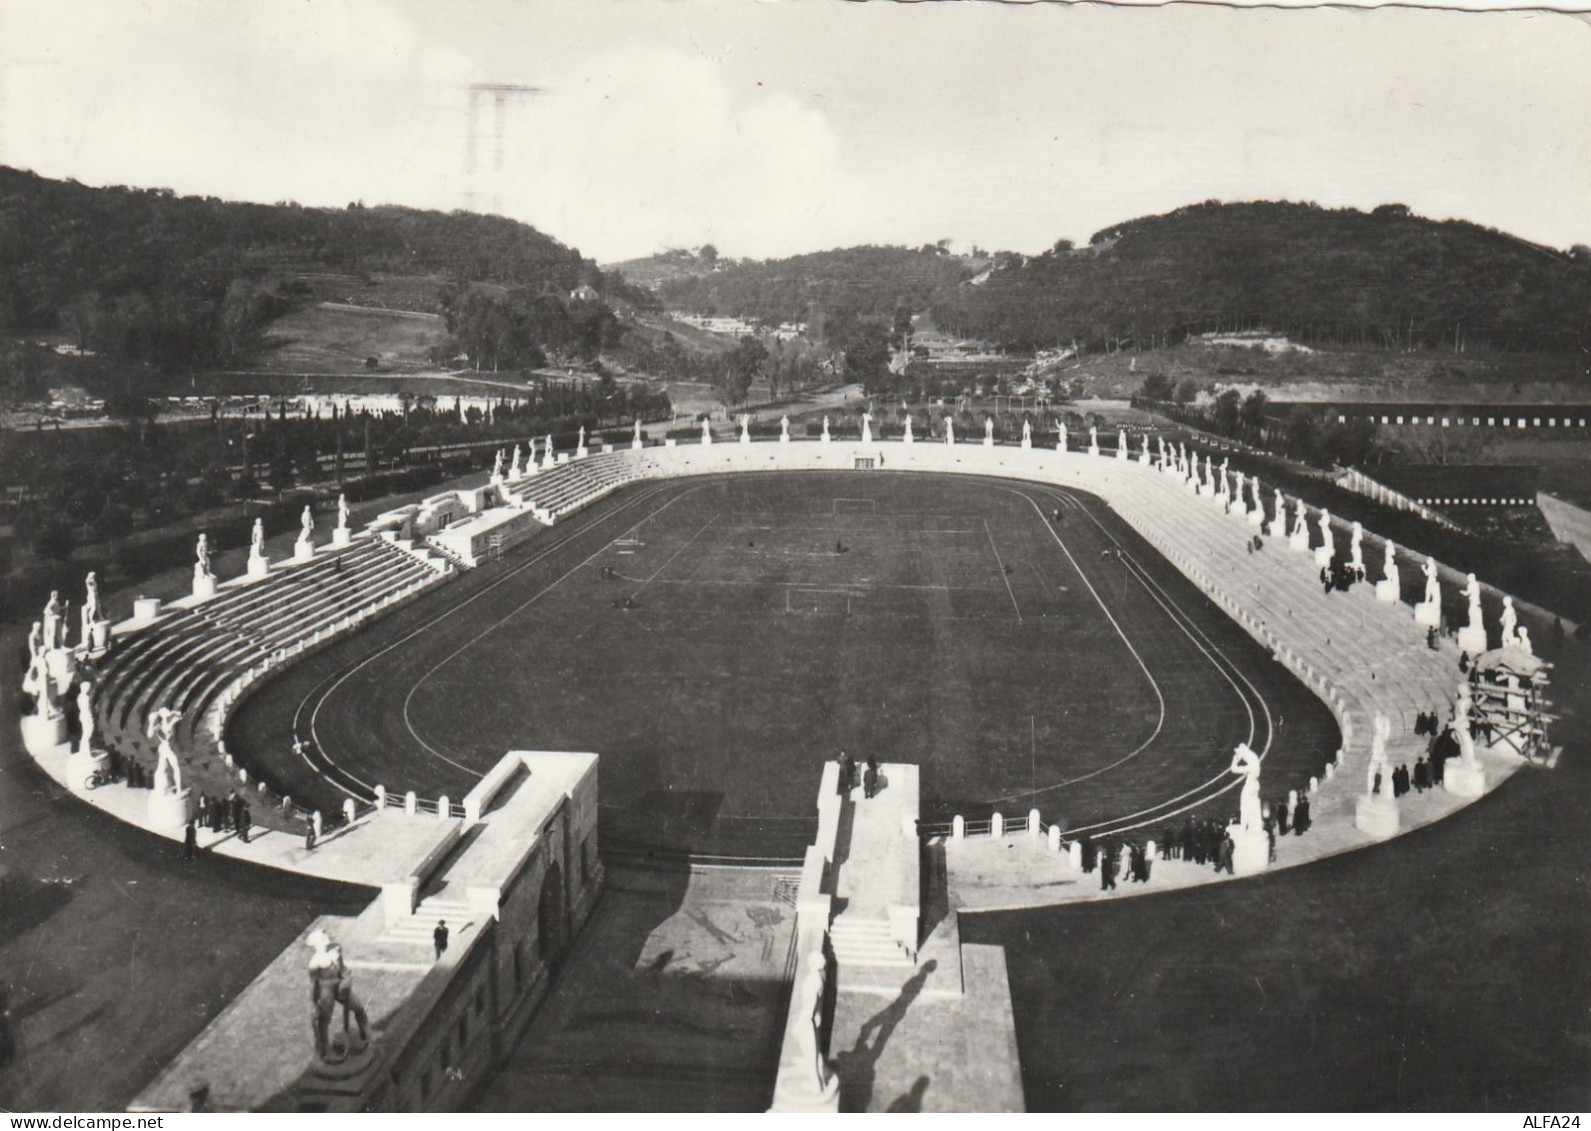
pixel 642 147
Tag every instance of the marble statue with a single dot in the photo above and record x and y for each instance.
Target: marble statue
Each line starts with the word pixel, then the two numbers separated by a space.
pixel 809 1035
pixel 1389 564
pixel 1522 641
pixel 988 429
pixel 306 524
pixel 1093 438
pixel 91 609
pixel 257 539
pixel 1121 442
pixel 950 430
pixel 163 728
pixel 35 639
pixel 497 465
pixel 54 613
pixel 1510 622
pixel 342 511
pixel 36 680
pixel 331 985
pixel 1461 727
pixel 867 428
pixel 1237 488
pixel 1380 732
pixel 745 428
pixel 1062 444
pixel 514 467
pixel 1327 541
pixel 907 435
pixel 707 431
pixel 1433 590
pixel 1472 591
pixel 201 564
pixel 1246 764
pixel 637 436
pixel 1027 431
pixel 784 427
pixel 1356 559
pixel 580 442
pixel 1281 505
pixel 549 452
pixel 85 715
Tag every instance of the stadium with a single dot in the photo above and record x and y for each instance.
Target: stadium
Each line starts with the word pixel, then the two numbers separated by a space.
pixel 1049 651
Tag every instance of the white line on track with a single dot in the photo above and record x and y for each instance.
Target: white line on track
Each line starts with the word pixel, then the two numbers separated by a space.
pixel 1001 563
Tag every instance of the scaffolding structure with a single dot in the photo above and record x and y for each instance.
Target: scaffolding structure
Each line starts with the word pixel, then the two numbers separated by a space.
pixel 1510 713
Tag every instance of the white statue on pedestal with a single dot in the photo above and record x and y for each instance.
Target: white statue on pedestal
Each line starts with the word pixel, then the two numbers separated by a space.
pixel 1093 440
pixel 1522 641
pixel 1327 542
pixel 1433 590
pixel 707 431
pixel 54 614
pixel 1281 508
pixel 1301 521
pixel 1061 445
pixel 1356 559
pixel 950 430
pixel 1380 732
pixel 306 526
pixel 1027 432
pixel 257 539
pixel 549 453
pixel 1389 564
pixel 85 715
pixel 342 512
pixel 1237 488
pixel 1461 725
pixel 867 428
pixel 1246 764
pixel 745 428
pixel 201 564
pixel 809 1034
pixel 1121 442
pixel 784 428
pixel 580 442
pixel 497 465
pixel 162 728
pixel 1510 623
pixel 907 435
pixel 1472 591
pixel 91 612
pixel 514 468
pixel 637 437
pixel 988 430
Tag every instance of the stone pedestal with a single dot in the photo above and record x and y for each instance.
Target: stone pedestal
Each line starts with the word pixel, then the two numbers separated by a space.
pixel 1251 850
pixel 789 1098
pixel 1256 518
pixel 1093 449
pixel 1387 592
pixel 148 608
pixel 169 812
pixel 581 453
pixel 1323 557
pixel 1027 441
pixel 99 636
pixel 43 735
pixel 203 588
pixel 259 567
pixel 341 536
pixel 79 765
pixel 635 444
pixel 1463 781
pixel 1277 528
pixel 1376 814
pixel 1472 639
pixel 1428 614
pixel 303 551
pixel 1298 541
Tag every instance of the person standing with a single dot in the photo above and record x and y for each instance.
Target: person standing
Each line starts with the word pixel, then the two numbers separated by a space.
pixel 870 778
pixel 1107 867
pixel 1301 815
pixel 439 936
pixel 190 841
pixel 847 769
pixel 245 820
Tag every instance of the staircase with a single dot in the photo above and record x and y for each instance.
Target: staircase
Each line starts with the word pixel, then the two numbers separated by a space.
pixel 864 941
pixel 417 928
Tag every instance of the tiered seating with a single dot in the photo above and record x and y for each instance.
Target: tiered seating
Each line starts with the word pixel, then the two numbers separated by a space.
pixel 570 486
pixel 186 661
pixel 1362 656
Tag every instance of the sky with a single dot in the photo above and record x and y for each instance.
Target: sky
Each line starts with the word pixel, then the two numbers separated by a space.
pixel 772 127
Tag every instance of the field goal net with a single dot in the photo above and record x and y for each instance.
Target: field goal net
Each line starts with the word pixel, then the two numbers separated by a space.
pixel 818 602
pixel 855 506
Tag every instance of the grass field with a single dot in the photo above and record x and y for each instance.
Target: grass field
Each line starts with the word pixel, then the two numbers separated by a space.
pixel 779 619
pixel 333 338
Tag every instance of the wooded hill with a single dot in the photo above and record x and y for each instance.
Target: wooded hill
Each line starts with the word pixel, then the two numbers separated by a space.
pixel 144 275
pixel 1384 278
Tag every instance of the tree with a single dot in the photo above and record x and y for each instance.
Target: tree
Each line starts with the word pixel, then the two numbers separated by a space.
pixel 741 367
pixel 1227 412
pixel 1187 391
pixel 867 357
pixel 1159 387
pixel 1252 415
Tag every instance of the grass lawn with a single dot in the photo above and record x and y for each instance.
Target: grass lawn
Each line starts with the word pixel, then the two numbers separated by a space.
pixel 779 619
